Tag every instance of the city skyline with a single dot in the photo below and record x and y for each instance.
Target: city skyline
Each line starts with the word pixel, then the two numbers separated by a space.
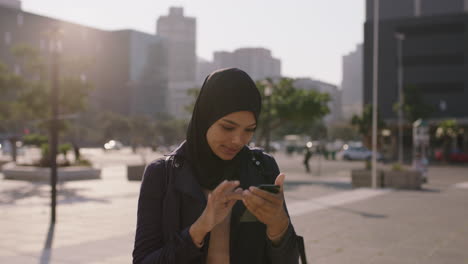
pixel 335 27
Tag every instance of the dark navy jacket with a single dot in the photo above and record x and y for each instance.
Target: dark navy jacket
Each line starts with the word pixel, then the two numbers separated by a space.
pixel 171 200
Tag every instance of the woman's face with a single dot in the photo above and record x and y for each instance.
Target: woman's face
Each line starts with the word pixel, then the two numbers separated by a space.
pixel 227 136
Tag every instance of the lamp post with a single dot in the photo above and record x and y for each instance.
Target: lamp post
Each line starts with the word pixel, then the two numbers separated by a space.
pixel 55 50
pixel 400 37
pixel 375 81
pixel 267 92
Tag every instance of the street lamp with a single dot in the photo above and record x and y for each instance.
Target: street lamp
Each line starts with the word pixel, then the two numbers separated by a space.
pixel 400 37
pixel 375 75
pixel 267 93
pixel 55 50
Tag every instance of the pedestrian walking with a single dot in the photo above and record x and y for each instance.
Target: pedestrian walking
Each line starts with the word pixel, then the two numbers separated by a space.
pixel 307 156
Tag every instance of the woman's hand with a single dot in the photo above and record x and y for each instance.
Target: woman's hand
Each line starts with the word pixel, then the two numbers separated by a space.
pixel 220 202
pixel 268 208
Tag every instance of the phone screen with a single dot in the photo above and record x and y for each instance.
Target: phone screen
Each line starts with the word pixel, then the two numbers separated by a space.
pixel 271 188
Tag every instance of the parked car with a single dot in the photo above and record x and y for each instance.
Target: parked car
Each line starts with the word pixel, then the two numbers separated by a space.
pixel 458 157
pixel 357 153
pixel 113 145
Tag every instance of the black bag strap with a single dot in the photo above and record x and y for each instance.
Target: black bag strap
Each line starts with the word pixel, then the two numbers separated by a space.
pixel 300 245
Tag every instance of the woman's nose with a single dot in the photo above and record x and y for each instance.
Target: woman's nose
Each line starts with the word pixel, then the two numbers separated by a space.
pixel 236 139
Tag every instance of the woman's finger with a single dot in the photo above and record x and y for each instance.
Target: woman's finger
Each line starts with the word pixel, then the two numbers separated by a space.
pixel 226 186
pixel 254 199
pixel 270 197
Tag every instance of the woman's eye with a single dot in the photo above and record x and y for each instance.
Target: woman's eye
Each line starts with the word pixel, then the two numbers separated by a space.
pixel 228 128
pixel 250 129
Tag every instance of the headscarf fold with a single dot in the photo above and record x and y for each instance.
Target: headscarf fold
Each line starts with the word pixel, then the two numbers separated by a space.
pixel 224 91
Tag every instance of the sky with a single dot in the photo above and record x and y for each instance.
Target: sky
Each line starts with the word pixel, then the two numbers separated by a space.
pixel 310 37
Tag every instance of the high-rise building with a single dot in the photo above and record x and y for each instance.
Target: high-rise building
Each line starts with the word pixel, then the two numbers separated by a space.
pixel 179 34
pixel 394 9
pixel 351 84
pixel 204 68
pixel 257 62
pixel 15 4
pixel 434 56
pixel 127 68
pixel 334 105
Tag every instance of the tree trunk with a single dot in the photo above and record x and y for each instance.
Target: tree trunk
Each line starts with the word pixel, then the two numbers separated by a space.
pixel 14 152
pixel 76 151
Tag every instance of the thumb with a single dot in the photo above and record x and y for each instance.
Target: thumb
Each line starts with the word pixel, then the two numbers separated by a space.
pixel 280 180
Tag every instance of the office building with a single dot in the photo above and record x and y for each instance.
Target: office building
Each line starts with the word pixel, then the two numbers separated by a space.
pixel 351 84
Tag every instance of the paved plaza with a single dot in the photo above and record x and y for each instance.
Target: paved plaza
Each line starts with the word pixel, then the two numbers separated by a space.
pixel 96 218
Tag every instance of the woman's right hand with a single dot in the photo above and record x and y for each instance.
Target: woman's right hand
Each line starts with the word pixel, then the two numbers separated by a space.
pixel 219 204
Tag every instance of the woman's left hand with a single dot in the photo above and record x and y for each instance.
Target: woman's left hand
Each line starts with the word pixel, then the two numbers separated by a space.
pixel 268 207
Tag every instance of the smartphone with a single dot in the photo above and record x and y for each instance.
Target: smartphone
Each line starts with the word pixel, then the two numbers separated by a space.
pixel 271 188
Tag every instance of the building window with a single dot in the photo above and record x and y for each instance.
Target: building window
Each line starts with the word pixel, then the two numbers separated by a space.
pixel 434 29
pixel 20 19
pixel 435 59
pixel 7 38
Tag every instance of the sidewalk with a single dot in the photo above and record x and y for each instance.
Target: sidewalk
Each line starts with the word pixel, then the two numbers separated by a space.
pixel 96 219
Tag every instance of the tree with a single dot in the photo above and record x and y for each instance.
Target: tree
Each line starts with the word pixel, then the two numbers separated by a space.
pixel 10 85
pixel 290 107
pixel 363 124
pixel 192 92
pixel 30 94
pixel 447 131
pixel 414 107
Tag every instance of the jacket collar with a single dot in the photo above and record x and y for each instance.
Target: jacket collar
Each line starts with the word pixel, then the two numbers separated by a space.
pixel 184 180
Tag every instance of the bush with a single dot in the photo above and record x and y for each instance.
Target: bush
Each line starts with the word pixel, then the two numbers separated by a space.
pixel 83 162
pixel 397 167
pixel 34 140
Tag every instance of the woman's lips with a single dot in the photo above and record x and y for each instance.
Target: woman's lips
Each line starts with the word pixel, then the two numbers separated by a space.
pixel 230 151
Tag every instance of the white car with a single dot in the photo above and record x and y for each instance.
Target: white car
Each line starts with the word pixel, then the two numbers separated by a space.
pixel 358 153
pixel 113 145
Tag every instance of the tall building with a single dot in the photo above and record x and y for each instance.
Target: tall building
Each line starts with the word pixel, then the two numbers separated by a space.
pixel 257 62
pixel 434 53
pixel 334 105
pixel 127 68
pixel 351 84
pixel 204 68
pixel 394 9
pixel 15 4
pixel 179 34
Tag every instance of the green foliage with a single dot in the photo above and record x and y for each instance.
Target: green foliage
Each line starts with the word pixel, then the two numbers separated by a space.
pixel 363 123
pixel 45 156
pixel 192 92
pixel 397 167
pixel 10 84
pixel 83 162
pixel 414 107
pixel 64 148
pixel 447 128
pixel 34 140
pixel 114 126
pixel 171 131
pixel 291 110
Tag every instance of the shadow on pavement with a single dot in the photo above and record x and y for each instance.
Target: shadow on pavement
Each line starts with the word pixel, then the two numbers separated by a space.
pixel 292 185
pixel 46 252
pixel 357 212
pixel 65 195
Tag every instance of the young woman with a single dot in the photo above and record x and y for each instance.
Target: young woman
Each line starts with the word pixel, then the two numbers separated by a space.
pixel 201 204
